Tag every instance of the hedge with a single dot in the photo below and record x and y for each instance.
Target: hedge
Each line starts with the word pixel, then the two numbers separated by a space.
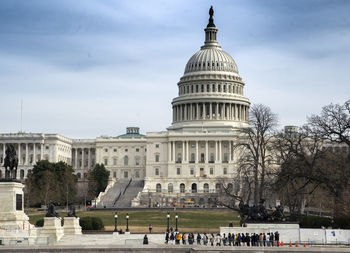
pixel 39 223
pixel 342 222
pixel 91 223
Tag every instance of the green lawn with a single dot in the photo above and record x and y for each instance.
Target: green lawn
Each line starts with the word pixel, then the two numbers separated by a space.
pixel 187 219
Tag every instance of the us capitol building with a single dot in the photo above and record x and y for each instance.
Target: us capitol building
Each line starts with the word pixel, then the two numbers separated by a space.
pixel 188 160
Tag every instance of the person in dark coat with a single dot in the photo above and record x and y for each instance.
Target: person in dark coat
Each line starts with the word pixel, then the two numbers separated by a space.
pixel 145 239
pixel 277 238
pixel 167 238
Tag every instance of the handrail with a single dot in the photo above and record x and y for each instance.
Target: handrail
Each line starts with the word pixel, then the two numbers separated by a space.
pixel 120 193
pixel 127 186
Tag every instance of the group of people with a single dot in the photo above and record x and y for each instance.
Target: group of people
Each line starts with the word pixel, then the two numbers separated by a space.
pixel 238 239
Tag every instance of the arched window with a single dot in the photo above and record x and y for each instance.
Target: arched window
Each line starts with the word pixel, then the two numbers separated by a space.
pixel 21 174
pixel 170 188
pixel 79 175
pixel 194 188
pixel 158 188
pixel 182 188
pixel 218 187
pixel 206 187
pixel 126 160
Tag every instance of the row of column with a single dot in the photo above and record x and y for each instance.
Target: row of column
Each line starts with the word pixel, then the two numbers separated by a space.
pixel 186 154
pixel 211 111
pixel 214 88
pixel 18 147
pixel 76 161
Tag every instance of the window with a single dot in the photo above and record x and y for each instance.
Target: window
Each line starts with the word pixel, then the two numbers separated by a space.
pixel 196 88
pixel 192 171
pixel 179 158
pixel 182 188
pixel 211 157
pixel 219 88
pixel 206 187
pixel 21 174
pixel 157 158
pixel 106 162
pixel 115 161
pixel 156 171
pixel 158 188
pixel 47 147
pixel 208 87
pixel 194 188
pixel 115 150
pixel 170 188
pixel 126 150
pixel 137 160
pixel 79 175
pixel 225 171
pixel 178 171
pixel 225 157
pixel 211 171
pixel 114 174
pixel 126 174
pixel 192 157
pixel 106 150
pixel 126 160
pixel 137 174
pixel 202 88
pixel 213 89
pixel 211 144
pixel 157 145
pixel 137 150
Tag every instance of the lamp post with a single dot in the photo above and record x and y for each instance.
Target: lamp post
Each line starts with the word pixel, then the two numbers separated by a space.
pixel 176 218
pixel 167 226
pixel 115 222
pixel 127 222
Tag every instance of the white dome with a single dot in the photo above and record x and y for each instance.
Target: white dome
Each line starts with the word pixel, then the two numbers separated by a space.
pixel 211 58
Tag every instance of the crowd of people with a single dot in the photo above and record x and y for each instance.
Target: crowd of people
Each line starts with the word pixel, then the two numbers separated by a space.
pixel 231 239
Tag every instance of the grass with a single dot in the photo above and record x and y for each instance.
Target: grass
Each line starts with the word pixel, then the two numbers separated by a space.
pixel 189 221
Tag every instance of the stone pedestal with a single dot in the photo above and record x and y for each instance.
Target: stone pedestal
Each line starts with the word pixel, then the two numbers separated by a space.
pixel 71 226
pixel 52 229
pixel 12 216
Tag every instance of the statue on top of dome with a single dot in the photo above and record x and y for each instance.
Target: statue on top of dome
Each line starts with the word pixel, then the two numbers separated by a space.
pixel 211 20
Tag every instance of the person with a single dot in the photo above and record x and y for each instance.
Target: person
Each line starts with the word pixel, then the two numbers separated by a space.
pixel 205 239
pixel 178 238
pixel 229 238
pixel 166 238
pixel 247 239
pixel 199 239
pixel 271 239
pixel 264 239
pixel 150 228
pixel 183 238
pixel 190 238
pixel 171 229
pixel 243 241
pixel 261 239
pixel 224 239
pixel 145 240
pixel 218 240
pixel 172 238
pixel 268 240
pixel 239 239
pixel 277 238
pixel 212 240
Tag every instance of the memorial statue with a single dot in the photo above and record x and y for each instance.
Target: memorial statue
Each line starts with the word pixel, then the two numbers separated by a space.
pixel 211 20
pixel 51 211
pixel 10 162
pixel 71 211
pixel 259 213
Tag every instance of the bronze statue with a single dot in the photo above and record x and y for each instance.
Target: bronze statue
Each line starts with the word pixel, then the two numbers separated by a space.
pixel 211 20
pixel 10 162
pixel 51 211
pixel 71 211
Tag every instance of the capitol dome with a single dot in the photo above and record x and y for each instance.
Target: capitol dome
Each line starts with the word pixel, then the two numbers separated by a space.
pixel 211 59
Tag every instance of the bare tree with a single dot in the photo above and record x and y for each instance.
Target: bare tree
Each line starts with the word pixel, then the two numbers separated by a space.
pixel 255 146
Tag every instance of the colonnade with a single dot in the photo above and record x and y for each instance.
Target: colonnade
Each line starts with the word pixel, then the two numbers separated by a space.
pixel 186 155
pixel 83 160
pixel 27 153
pixel 210 111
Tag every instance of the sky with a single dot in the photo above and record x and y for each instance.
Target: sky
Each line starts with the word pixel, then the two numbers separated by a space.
pixel 89 68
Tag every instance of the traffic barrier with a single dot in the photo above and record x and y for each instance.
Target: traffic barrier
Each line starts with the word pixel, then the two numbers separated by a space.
pixel 290 244
pixel 296 244
pixel 304 244
pixel 282 244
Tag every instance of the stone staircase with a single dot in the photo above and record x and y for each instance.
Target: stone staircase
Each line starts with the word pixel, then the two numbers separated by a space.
pixel 121 193
pixel 129 194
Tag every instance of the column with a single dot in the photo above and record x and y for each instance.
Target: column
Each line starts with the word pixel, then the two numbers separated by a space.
pixel 236 112
pixel 76 158
pixel 216 152
pixel 230 151
pixel 203 106
pixel 42 151
pixel 217 110
pixel 82 158
pixel 243 112
pixel 196 151
pixel 210 110
pixel 169 151
pixel 220 156
pixel 229 111
pixel 197 110
pixel 186 116
pixel 223 111
pixel 183 151
pixel 187 152
pixel 173 160
pixel 3 152
pixel 206 151
pixel 19 154
pixel 89 158
pixel 34 155
pixel 27 154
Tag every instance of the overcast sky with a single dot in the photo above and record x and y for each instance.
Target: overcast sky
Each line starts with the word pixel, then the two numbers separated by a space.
pixel 94 68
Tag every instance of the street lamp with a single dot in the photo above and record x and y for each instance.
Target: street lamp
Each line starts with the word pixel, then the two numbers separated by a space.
pixel 167 226
pixel 127 222
pixel 176 218
pixel 115 222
